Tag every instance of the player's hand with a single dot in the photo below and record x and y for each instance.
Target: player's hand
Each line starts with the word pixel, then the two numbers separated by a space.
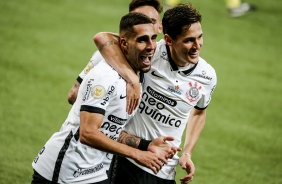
pixel 161 147
pixel 132 95
pixel 150 160
pixel 186 163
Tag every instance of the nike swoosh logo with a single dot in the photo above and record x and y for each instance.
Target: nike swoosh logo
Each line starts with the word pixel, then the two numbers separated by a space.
pixel 122 97
pixel 154 74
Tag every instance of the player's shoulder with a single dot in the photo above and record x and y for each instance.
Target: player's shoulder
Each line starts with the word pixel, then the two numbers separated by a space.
pixel 161 42
pixel 104 71
pixel 161 46
pixel 160 52
pixel 205 71
pixel 203 64
pixel 96 57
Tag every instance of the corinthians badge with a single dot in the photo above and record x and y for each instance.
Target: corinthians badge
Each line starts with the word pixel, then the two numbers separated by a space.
pixel 193 94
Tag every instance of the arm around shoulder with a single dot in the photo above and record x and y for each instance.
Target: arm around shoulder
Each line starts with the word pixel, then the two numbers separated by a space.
pixel 109 47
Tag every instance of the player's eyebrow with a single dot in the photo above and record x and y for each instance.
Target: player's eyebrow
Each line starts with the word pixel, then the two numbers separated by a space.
pixel 142 38
pixel 153 20
pixel 191 39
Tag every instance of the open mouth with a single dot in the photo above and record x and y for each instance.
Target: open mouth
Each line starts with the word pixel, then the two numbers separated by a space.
pixel 146 59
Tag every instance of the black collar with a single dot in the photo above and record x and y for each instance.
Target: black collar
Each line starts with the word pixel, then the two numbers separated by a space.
pixel 141 77
pixel 170 60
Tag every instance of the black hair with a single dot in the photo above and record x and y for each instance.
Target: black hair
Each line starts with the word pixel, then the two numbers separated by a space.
pixel 154 3
pixel 179 18
pixel 131 19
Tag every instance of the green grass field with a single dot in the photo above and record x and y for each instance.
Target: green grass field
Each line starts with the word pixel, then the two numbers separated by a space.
pixel 45 44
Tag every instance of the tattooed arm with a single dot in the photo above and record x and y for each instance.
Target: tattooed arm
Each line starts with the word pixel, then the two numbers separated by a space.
pixel 109 47
pixel 158 145
pixel 128 139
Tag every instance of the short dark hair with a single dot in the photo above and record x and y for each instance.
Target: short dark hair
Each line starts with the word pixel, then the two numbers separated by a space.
pixel 131 19
pixel 154 3
pixel 179 18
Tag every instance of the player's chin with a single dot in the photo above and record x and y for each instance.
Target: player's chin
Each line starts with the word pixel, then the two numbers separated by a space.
pixel 193 59
pixel 146 69
pixel 146 66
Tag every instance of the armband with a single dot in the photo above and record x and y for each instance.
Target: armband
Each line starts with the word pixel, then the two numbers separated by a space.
pixel 144 144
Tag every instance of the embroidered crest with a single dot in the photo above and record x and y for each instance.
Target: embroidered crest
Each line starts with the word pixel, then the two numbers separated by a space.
pixel 193 94
pixel 88 67
pixel 98 91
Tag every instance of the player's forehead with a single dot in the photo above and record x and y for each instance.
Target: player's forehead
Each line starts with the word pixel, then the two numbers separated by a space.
pixel 194 30
pixel 149 11
pixel 142 31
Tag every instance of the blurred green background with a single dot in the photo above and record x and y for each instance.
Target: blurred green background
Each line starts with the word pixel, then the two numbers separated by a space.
pixel 45 44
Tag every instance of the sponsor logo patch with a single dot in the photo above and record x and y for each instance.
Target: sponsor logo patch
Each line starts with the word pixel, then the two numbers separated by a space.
pixel 122 97
pixel 152 104
pixel 161 97
pixel 88 67
pixel 117 120
pixel 107 96
pixel 211 93
pixel 40 153
pixel 203 75
pixel 88 90
pixel 156 75
pixel 164 56
pixel 98 92
pixel 174 89
pixel 81 172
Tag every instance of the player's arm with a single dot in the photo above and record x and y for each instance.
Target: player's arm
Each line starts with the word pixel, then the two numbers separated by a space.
pixel 158 145
pixel 108 45
pixel 73 93
pixel 91 135
pixel 194 128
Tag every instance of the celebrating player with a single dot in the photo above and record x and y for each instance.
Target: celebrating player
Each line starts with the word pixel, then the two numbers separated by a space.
pixel 176 93
pixel 76 154
pixel 151 8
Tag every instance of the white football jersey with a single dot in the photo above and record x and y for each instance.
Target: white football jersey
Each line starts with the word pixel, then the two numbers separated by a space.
pixel 63 159
pixel 169 94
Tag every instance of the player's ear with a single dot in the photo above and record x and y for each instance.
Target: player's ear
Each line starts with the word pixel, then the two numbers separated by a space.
pixel 167 39
pixel 160 30
pixel 123 43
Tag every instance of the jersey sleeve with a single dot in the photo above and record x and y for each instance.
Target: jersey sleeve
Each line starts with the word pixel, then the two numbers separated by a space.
pixel 97 91
pixel 207 94
pixel 94 60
